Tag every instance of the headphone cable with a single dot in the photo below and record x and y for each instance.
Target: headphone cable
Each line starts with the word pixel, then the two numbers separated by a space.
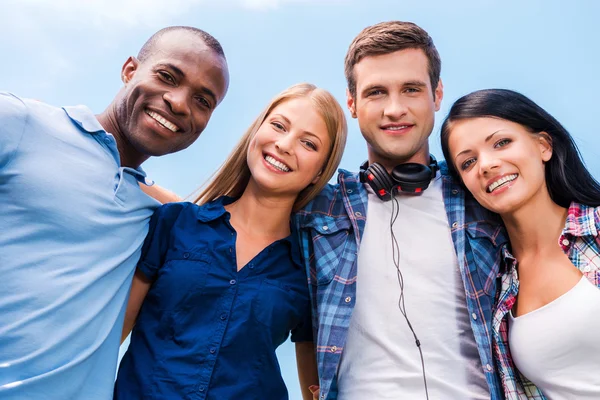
pixel 396 260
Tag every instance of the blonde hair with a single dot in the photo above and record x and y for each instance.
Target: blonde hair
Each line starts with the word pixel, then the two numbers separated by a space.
pixel 232 177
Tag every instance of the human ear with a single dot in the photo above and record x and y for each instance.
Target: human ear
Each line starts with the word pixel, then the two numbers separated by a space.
pixel 545 143
pixel 439 95
pixel 129 69
pixel 350 103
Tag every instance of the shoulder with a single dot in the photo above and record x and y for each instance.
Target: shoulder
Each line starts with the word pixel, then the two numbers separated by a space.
pixel 12 108
pixel 330 201
pixel 170 212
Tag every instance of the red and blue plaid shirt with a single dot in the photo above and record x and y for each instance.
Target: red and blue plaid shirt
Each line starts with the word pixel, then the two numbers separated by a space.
pixel 331 227
pixel 580 240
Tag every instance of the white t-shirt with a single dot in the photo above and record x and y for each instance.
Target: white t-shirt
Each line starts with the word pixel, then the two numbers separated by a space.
pixel 380 359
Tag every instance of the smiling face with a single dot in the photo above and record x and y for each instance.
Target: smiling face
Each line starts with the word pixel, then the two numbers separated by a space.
pixel 169 98
pixel 395 106
pixel 500 162
pixel 289 149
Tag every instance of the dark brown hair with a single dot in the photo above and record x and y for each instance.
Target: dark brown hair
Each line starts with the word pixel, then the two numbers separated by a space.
pixel 389 37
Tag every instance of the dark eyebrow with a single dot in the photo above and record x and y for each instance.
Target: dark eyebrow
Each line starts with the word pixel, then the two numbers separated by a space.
pixel 487 139
pixel 415 83
pixel 305 132
pixel 372 87
pixel 179 72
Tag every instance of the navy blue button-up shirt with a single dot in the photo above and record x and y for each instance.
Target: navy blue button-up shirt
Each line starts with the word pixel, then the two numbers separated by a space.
pixel 205 330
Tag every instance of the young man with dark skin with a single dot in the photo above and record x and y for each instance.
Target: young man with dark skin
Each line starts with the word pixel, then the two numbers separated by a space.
pixel 73 217
pixel 401 299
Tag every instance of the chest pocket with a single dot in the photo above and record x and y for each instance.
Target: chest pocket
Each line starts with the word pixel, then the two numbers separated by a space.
pixel 484 254
pixel 279 307
pixel 181 279
pixel 332 242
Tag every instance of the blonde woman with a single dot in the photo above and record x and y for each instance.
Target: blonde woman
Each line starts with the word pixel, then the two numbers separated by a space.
pixel 220 284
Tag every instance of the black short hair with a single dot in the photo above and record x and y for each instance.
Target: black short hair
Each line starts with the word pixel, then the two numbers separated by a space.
pixel 148 47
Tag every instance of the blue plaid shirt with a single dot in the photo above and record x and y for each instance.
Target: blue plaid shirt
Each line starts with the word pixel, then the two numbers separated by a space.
pixel 330 231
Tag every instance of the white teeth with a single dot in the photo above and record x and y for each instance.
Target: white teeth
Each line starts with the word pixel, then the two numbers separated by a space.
pixel 169 125
pixel 501 181
pixel 279 165
pixel 396 128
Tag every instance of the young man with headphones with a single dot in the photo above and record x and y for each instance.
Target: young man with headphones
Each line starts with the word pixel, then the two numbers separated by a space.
pixel 402 299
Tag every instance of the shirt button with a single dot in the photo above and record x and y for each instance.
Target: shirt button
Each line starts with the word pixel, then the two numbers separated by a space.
pixel 186 255
pixel 454 191
pixel 587 268
pixel 454 224
pixel 213 350
pixel 488 367
pixel 223 317
pixel 349 191
pixel 358 214
pixel 333 349
pixel 565 242
pixel 251 266
pixel 474 316
pixel 348 299
pixel 201 389
pixel 325 227
pixel 148 181
pixel 107 140
pixel 231 250
pixel 232 282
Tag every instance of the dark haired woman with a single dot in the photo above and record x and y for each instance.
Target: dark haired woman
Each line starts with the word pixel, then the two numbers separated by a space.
pixel 520 162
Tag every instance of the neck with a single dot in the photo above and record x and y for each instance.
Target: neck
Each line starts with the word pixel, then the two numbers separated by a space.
pixel 420 157
pixel 108 119
pixel 266 216
pixel 534 229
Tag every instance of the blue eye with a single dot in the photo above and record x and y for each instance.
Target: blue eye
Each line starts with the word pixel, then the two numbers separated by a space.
pixel 375 92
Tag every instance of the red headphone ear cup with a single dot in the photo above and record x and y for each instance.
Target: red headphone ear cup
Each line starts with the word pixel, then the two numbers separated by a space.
pixel 381 178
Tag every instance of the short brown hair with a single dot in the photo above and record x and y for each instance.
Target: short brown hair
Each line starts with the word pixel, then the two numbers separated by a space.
pixel 389 37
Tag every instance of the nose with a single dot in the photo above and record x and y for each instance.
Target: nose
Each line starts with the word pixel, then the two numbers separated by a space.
pixel 395 108
pixel 487 163
pixel 285 143
pixel 177 99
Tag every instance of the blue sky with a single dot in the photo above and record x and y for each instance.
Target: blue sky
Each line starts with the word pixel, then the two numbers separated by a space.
pixel 68 52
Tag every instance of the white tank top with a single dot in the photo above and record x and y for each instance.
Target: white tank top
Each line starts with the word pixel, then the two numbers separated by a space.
pixel 557 346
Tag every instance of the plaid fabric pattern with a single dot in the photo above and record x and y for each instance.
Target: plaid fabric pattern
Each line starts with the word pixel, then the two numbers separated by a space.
pixel 330 230
pixel 580 240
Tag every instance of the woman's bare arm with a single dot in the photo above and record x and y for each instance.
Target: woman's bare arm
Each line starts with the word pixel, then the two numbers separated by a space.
pixel 137 294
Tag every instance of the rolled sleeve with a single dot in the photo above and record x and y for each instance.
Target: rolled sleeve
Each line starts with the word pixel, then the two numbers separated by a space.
pixel 159 237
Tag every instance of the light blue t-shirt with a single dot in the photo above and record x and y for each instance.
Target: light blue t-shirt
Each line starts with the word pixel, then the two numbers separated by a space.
pixel 72 223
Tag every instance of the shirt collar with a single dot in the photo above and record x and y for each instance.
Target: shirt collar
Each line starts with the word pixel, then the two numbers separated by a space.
pixel 582 220
pixel 216 209
pixel 213 210
pixel 85 118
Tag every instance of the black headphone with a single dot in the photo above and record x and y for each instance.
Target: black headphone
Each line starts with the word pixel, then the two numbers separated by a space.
pixel 410 178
